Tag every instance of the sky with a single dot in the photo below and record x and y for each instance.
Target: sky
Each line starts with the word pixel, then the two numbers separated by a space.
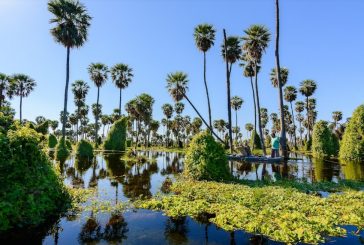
pixel 320 40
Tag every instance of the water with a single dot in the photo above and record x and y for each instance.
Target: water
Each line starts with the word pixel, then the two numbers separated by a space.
pixel 117 181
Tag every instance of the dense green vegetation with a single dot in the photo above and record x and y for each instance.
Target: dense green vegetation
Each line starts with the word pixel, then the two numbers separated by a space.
pixel 324 142
pixel 282 214
pixel 30 189
pixel 352 145
pixel 62 150
pixel 84 149
pixel 52 141
pixel 206 159
pixel 116 139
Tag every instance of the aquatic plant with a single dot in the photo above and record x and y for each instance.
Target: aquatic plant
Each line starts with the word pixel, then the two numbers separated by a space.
pixel 352 145
pixel 206 159
pixel 62 151
pixel 324 142
pixel 84 149
pixel 116 138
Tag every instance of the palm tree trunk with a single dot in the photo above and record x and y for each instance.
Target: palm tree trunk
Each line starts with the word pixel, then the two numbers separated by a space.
pixel 255 110
pixel 236 124
pixel 308 119
pixel 258 109
pixel 278 69
pixel 120 102
pixel 228 94
pixel 64 120
pixel 97 116
pixel 206 88
pixel 294 125
pixel 21 105
pixel 203 120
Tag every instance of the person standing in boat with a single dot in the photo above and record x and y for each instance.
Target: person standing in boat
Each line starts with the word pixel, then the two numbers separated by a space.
pixel 275 145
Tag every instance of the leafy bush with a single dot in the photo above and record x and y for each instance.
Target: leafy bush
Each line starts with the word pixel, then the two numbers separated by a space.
pixel 84 149
pixel 324 142
pixel 352 145
pixel 255 141
pixel 52 141
pixel 69 145
pixel 115 140
pixel 62 151
pixel 30 189
pixel 206 159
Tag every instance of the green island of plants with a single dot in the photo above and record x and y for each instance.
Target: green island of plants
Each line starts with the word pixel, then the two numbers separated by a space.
pixel 116 139
pixel 84 149
pixel 324 142
pixel 282 214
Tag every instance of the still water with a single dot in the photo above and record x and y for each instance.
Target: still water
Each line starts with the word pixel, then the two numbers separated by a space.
pixel 117 181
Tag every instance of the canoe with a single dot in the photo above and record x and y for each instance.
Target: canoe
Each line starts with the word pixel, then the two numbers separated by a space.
pixel 256 159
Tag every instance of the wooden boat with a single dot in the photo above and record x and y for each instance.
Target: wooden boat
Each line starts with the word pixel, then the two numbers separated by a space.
pixel 256 159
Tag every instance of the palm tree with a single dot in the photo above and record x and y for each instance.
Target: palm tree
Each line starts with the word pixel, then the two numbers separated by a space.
pixel 177 85
pixel 122 76
pixel 204 35
pixel 168 112
pixel 284 76
pixel 79 90
pixel 71 28
pixel 231 52
pixel 21 85
pixel 290 95
pixel 299 108
pixel 337 116
pixel 249 128
pixel 236 103
pixel 179 107
pixel 4 86
pixel 307 89
pixel 98 74
pixel 256 41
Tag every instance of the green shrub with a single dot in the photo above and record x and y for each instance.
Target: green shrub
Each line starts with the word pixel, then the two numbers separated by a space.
pixel 116 138
pixel 52 141
pixel 352 145
pixel 84 149
pixel 255 142
pixel 128 142
pixel 30 190
pixel 206 159
pixel 69 145
pixel 323 144
pixel 62 151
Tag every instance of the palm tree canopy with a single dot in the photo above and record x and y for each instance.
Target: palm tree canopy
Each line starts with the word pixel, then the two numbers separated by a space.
pixel 96 109
pixel 256 40
pixel 167 110
pixel 177 85
pixel 290 93
pixel 308 87
pixel 236 102
pixel 80 89
pixel 204 36
pixel 71 22
pixel 248 69
pixel 284 76
pixel 233 49
pixel 4 81
pixel 121 75
pixel 300 106
pixel 249 127
pixel 21 85
pixel 98 73
pixel 337 116
pixel 179 107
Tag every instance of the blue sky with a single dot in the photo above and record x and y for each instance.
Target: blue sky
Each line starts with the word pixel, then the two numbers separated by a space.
pixel 320 40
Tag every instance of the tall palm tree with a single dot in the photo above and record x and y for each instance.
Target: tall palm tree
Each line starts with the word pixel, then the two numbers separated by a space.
pixel 71 29
pixel 168 112
pixel 290 95
pixel 256 40
pixel 79 90
pixel 4 86
pixel 307 89
pixel 21 85
pixel 337 116
pixel 98 74
pixel 249 128
pixel 122 76
pixel 299 108
pixel 236 103
pixel 177 85
pixel 204 35
pixel 231 52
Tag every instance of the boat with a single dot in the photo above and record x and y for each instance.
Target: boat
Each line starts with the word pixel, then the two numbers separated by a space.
pixel 256 159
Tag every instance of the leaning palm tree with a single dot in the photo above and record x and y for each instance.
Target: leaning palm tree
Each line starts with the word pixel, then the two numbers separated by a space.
pixel 236 103
pixel 4 86
pixel 79 90
pixel 21 85
pixel 307 89
pixel 204 38
pixel 290 95
pixel 71 28
pixel 98 74
pixel 231 52
pixel 122 76
pixel 256 40
pixel 177 85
